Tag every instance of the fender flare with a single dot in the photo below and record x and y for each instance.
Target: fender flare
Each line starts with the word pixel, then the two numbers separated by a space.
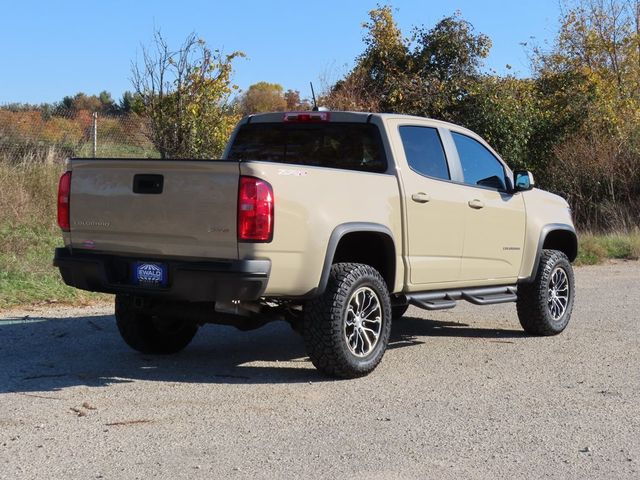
pixel 544 232
pixel 338 233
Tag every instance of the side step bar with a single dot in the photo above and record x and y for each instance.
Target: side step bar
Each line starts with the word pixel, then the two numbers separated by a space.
pixel 442 299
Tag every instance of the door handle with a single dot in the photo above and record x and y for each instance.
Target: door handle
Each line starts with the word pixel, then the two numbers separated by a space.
pixel 475 203
pixel 421 197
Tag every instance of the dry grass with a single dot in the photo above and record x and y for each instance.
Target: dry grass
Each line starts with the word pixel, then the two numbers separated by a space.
pixel 29 235
pixel 28 193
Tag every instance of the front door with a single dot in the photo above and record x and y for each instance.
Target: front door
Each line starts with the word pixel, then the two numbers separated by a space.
pixel 494 218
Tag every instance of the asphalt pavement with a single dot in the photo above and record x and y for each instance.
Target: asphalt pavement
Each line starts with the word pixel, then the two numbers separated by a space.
pixel 459 394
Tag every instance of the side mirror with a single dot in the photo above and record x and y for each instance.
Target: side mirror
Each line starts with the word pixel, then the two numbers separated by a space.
pixel 523 180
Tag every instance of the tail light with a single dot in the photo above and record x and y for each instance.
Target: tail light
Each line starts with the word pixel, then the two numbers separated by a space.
pixel 255 210
pixel 64 196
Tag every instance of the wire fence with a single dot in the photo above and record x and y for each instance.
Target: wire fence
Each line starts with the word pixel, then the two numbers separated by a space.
pixel 40 135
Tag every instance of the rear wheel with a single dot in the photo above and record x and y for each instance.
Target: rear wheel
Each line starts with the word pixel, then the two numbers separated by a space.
pixel 346 330
pixel 151 333
pixel 545 305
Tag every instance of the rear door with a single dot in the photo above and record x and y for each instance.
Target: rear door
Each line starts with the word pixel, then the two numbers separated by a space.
pixel 155 207
pixel 435 207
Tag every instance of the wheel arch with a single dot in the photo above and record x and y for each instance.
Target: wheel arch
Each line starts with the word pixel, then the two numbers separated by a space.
pixel 555 236
pixel 361 242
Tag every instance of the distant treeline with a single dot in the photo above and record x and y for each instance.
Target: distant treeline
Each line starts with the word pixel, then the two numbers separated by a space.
pixel 575 122
pixel 102 103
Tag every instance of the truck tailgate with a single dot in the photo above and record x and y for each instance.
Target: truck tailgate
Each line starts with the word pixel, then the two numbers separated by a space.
pixel 178 208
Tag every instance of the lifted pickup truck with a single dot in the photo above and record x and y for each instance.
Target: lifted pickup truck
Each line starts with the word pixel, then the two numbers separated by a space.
pixel 332 221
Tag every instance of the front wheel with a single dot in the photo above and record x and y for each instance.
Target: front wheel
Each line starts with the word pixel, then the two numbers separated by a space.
pixel 346 330
pixel 545 305
pixel 148 333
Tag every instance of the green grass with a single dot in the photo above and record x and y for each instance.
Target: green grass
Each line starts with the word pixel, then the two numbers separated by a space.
pixel 596 248
pixel 28 230
pixel 29 236
pixel 27 275
pixel 117 150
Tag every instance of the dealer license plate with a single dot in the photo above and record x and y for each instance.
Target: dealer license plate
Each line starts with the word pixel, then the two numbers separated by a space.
pixel 150 274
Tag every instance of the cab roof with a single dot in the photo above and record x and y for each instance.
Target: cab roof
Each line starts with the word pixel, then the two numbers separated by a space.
pixel 347 117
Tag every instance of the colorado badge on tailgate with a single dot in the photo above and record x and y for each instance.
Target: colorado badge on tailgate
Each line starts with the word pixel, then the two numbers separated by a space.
pixel 150 274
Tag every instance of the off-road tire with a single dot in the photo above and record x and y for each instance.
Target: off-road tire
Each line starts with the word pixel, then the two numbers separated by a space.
pixel 149 334
pixel 397 311
pixel 533 307
pixel 325 317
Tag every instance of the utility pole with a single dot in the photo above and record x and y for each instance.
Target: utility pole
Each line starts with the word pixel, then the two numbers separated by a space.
pixel 95 134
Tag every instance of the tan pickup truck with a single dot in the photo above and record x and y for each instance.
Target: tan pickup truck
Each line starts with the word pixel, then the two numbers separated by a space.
pixel 332 221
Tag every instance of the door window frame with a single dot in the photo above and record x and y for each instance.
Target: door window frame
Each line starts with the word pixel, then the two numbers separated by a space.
pixel 508 174
pixel 444 152
pixel 450 152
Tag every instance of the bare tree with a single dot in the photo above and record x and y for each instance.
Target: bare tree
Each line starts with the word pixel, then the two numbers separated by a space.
pixel 185 95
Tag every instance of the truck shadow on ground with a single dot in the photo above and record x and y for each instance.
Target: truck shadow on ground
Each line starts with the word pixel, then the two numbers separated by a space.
pixel 40 354
pixel 408 328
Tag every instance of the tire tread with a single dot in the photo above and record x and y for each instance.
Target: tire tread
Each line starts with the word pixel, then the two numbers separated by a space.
pixel 323 336
pixel 532 297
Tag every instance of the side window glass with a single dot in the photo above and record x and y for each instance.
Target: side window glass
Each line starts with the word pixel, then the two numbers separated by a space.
pixel 479 165
pixel 424 152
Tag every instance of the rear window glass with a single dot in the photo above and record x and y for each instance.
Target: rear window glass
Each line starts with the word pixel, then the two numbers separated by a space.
pixel 352 146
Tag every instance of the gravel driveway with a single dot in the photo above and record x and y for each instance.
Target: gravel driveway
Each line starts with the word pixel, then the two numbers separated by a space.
pixel 460 394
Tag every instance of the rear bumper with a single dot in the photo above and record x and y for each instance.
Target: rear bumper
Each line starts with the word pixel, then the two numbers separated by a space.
pixel 193 281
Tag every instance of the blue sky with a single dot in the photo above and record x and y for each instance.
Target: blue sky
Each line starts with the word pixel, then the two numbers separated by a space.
pixel 49 49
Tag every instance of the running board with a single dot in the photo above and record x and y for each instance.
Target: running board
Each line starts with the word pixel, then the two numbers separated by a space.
pixel 443 299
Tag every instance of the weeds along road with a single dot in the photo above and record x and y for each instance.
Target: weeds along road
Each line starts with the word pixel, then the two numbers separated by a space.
pixel 460 394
